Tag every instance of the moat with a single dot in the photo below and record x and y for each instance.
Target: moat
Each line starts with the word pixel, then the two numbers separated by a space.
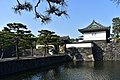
pixel 109 70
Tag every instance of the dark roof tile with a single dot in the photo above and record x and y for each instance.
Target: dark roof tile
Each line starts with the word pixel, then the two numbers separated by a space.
pixel 94 26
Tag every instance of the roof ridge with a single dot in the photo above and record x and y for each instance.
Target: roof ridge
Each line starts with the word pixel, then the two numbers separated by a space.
pixel 91 25
pixel 94 26
pixel 99 24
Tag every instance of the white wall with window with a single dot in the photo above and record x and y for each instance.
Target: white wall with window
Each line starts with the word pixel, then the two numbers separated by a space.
pixel 100 35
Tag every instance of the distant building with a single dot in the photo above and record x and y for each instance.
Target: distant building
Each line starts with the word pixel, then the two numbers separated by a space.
pixel 65 39
pixel 95 31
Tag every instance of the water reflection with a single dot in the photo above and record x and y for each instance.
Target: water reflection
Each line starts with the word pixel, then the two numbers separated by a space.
pixel 98 65
pixel 74 71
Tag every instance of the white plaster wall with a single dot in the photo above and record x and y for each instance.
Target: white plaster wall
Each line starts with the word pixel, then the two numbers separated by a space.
pixel 37 46
pixel 79 45
pixel 95 35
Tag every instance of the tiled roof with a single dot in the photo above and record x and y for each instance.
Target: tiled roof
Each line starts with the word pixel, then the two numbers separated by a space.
pixel 65 38
pixel 94 26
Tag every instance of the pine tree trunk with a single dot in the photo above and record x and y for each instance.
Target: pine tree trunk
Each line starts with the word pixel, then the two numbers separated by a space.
pixel 2 53
pixel 2 50
pixel 23 52
pixel 45 50
pixel 32 51
pixel 17 54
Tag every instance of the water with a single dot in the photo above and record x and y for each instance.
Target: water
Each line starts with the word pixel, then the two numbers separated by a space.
pixel 74 71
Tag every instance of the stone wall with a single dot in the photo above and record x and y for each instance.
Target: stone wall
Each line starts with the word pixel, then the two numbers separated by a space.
pixel 81 54
pixel 99 49
pixel 99 52
pixel 10 52
pixel 112 51
pixel 86 54
pixel 101 44
pixel 108 51
pixel 13 66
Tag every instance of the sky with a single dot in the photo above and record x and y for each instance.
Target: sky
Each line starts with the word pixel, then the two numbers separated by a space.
pixel 81 14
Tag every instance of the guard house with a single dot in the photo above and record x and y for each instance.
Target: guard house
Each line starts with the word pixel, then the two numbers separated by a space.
pixel 95 31
pixel 95 39
pixel 98 35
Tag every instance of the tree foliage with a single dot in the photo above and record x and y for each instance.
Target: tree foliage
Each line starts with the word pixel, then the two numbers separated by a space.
pixel 20 33
pixel 116 1
pixel 56 41
pixel 5 40
pixel 56 7
pixel 47 37
pixel 116 27
pixel 17 35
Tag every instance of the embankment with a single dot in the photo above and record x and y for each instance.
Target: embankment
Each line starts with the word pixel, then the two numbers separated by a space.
pixel 14 66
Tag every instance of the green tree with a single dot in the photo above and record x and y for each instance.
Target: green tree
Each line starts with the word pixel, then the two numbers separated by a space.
pixel 19 31
pixel 45 38
pixel 31 42
pixel 2 40
pixel 116 27
pixel 5 40
pixel 25 41
pixel 56 7
pixel 56 41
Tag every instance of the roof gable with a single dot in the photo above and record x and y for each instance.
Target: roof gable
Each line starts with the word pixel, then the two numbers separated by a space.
pixel 94 26
pixel 65 38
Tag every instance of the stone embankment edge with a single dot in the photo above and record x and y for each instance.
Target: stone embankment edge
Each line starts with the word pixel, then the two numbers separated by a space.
pixel 14 66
